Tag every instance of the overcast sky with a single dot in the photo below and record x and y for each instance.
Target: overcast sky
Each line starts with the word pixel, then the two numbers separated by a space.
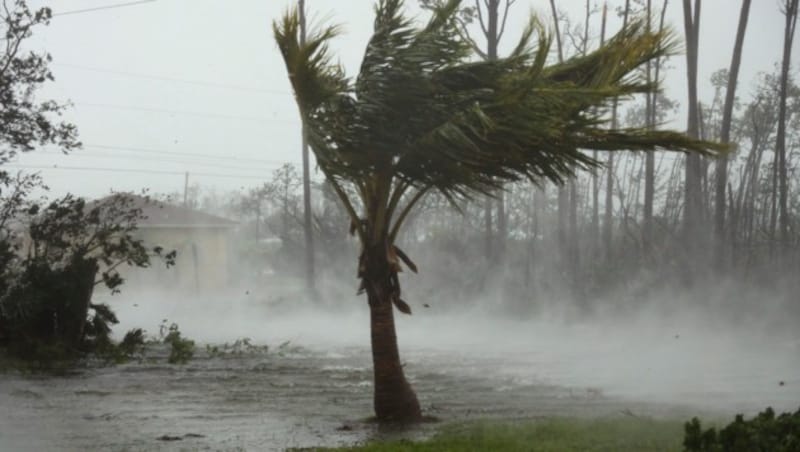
pixel 172 86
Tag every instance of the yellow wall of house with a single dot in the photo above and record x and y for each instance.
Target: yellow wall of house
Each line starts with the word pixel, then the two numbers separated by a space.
pixel 201 263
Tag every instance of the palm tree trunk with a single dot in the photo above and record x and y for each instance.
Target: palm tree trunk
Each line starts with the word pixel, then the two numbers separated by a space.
pixel 492 41
pixel 608 217
pixel 394 401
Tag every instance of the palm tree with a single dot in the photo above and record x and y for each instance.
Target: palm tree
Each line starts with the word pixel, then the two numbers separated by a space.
pixel 424 114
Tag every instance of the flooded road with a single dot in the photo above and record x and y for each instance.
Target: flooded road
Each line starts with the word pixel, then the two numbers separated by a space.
pixel 316 389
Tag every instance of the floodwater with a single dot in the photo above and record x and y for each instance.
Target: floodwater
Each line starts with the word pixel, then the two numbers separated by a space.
pixel 312 386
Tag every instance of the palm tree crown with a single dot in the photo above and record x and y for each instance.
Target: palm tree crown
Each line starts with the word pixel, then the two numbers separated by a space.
pixel 424 114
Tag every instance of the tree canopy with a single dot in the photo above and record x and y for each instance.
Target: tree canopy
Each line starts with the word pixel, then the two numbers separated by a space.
pixel 24 121
pixel 424 113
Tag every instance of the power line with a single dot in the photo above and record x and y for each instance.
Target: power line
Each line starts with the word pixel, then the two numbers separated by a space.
pixel 160 160
pixel 129 170
pixel 172 79
pixel 98 8
pixel 182 154
pixel 181 112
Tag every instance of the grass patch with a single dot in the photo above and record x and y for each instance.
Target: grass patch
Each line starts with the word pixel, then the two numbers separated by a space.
pixel 550 435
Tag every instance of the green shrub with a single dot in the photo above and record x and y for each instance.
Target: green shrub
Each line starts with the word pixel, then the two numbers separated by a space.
pixel 181 349
pixel 240 347
pixel 765 432
pixel 133 342
pixel 618 434
pixel 52 255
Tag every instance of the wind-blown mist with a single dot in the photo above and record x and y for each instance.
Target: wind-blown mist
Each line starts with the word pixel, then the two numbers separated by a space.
pixel 620 324
pixel 668 350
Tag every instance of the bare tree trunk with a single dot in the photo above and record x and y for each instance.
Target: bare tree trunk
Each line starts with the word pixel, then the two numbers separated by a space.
pixel 492 41
pixel 574 238
pixel 693 189
pixel 595 223
pixel 780 146
pixel 649 158
pixel 773 211
pixel 530 219
pixel 558 31
pixel 649 172
pixel 608 215
pixel 539 213
pixel 502 226
pixel 725 134
pixel 563 201
pixel 573 241
pixel 487 227
pixel 493 29
pixel 608 218
pixel 307 224
pixel 759 135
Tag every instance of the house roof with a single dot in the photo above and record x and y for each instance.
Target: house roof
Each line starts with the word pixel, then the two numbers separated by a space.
pixel 163 215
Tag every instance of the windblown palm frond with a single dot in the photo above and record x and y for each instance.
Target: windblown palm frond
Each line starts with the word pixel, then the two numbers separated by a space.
pixel 424 114
pixel 314 79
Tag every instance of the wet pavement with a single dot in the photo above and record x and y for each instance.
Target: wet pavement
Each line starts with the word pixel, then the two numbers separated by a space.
pixel 316 389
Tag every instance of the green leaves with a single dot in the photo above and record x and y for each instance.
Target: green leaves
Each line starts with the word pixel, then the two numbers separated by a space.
pixel 763 432
pixel 27 121
pixel 314 79
pixel 423 110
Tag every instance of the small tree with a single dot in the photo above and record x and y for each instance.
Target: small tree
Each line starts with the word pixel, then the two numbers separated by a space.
pixel 424 116
pixel 251 204
pixel 53 255
pixel 25 122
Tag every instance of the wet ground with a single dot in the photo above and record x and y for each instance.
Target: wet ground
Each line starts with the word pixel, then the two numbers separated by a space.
pixel 316 389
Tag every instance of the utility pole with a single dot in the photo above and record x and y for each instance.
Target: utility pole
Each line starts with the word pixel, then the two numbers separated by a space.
pixel 307 225
pixel 186 190
pixel 563 195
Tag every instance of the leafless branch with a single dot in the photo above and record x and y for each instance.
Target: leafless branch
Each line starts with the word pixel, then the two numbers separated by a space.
pixel 480 18
pixel 509 3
